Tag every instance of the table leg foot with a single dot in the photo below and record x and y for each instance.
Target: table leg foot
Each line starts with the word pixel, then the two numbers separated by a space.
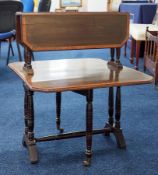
pixel 131 60
pixel 89 127
pixel 119 138
pixel 136 67
pixel 118 135
pixel 28 138
pixel 87 162
pixel 33 154
pixel 32 149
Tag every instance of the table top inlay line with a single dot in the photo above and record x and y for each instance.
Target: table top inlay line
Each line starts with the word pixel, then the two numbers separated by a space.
pixel 77 74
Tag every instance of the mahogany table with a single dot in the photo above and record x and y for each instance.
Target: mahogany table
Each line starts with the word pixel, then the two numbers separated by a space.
pixel 81 76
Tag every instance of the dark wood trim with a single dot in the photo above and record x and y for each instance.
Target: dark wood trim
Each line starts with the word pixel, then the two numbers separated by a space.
pixel 111 106
pixel 28 56
pixel 58 112
pixel 28 138
pixel 89 127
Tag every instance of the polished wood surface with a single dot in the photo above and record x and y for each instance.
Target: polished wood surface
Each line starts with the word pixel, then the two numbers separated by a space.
pixel 60 31
pixel 63 31
pixel 68 31
pixel 77 74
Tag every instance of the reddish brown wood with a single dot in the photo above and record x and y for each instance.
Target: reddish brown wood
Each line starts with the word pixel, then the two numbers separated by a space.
pixel 60 31
pixel 28 57
pixel 63 31
pixel 132 51
pixel 137 54
pixel 74 77
pixel 50 76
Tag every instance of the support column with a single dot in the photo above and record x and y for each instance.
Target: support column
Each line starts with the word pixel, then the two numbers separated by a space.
pixel 28 139
pixel 117 130
pixel 27 58
pixel 112 52
pixel 58 111
pixel 89 127
pixel 132 51
pixel 137 54
pixel 110 110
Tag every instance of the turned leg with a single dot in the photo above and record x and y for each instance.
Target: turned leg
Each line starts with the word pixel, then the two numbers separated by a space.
pixel 132 51
pixel 146 50
pixel 58 111
pixel 28 138
pixel 110 110
pixel 117 130
pixel 115 62
pixel 111 106
pixel 25 117
pixel 89 127
pixel 118 56
pixel 137 54
pixel 144 63
pixel 125 48
pixel 112 52
pixel 27 58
